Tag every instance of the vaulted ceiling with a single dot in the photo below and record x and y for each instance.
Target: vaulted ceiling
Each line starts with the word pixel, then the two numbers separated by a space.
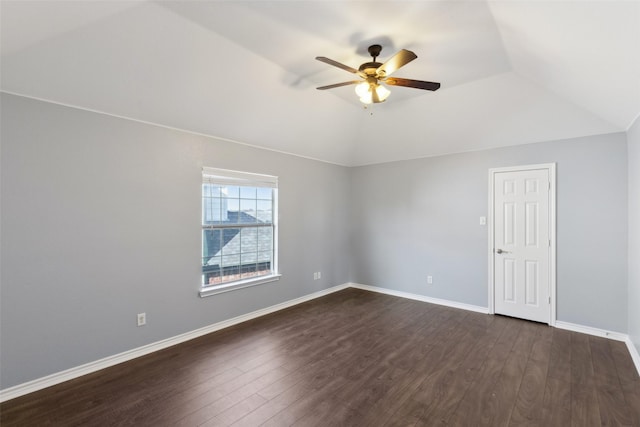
pixel 512 72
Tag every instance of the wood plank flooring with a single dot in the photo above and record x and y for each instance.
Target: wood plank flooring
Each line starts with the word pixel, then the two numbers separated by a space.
pixel 356 358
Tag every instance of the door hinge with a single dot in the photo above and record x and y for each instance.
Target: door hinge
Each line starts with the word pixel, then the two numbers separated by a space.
pixel 549 300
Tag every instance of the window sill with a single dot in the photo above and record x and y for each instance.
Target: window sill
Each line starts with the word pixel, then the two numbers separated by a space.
pixel 214 290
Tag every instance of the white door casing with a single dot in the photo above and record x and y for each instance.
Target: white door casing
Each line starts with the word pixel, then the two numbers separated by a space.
pixel 522 242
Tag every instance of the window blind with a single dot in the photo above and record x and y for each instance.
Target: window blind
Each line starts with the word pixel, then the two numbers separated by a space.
pixel 229 177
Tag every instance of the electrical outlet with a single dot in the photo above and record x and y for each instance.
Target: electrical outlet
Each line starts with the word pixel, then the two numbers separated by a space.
pixel 319 275
pixel 429 280
pixel 142 319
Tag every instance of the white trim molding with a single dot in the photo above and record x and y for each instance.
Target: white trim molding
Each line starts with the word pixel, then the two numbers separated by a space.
pixel 78 371
pixel 423 298
pixel 617 336
pixel 633 351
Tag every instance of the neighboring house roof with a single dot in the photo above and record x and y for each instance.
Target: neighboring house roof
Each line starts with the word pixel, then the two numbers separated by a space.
pixel 227 244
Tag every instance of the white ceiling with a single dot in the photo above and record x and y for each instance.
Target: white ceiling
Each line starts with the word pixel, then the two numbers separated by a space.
pixel 512 72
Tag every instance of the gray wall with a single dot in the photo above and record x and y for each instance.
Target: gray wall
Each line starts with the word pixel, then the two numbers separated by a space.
pixel 634 233
pixel 420 217
pixel 100 221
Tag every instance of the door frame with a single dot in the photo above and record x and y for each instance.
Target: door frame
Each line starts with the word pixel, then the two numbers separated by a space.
pixel 551 167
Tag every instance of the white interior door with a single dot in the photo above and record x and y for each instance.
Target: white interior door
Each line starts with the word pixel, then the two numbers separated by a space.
pixel 522 243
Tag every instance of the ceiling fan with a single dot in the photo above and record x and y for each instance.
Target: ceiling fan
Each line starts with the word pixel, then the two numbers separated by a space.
pixel 370 90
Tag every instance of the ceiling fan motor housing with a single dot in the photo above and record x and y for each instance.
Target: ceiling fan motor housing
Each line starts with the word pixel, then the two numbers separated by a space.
pixel 369 68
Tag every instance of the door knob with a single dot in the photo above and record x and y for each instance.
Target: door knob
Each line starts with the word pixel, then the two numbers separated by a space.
pixel 500 251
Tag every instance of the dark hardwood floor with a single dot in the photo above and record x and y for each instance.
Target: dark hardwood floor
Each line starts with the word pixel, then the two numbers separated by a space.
pixel 356 358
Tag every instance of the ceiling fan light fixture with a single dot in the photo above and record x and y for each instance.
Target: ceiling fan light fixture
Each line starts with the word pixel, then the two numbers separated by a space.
pixel 362 89
pixel 383 92
pixel 365 91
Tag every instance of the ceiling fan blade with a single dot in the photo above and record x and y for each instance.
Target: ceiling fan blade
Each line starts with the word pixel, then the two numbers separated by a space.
pixel 337 64
pixel 354 82
pixel 398 60
pixel 416 84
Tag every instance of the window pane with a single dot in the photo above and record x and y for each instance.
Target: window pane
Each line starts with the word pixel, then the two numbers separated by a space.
pixel 249 240
pixel 249 258
pixel 210 262
pixel 248 192
pixel 232 273
pixel 248 211
pixel 264 257
pixel 211 270
pixel 248 270
pixel 214 212
pixel 230 242
pixel 265 239
pixel 210 190
pixel 229 261
pixel 211 243
pixel 232 191
pixel 230 196
pixel 265 211
pixel 264 265
pixel 214 209
pixel 265 193
pixel 233 205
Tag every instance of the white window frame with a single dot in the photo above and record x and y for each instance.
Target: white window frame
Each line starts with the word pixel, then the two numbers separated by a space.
pixel 246 179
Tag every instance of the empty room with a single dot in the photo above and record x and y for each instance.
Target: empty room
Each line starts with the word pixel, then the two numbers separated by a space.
pixel 320 213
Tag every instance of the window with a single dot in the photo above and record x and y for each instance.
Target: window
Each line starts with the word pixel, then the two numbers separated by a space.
pixel 239 235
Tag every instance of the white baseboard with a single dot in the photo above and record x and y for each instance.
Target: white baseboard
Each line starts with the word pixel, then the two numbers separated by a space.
pixel 78 371
pixel 633 351
pixel 618 336
pixel 422 298
pixel 69 374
